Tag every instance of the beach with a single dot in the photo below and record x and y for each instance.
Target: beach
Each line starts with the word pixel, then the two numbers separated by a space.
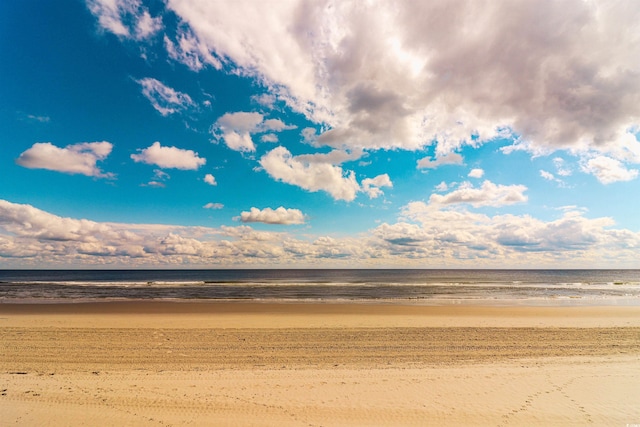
pixel 321 364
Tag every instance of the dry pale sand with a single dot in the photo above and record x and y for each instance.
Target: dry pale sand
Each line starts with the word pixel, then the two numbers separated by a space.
pixel 235 364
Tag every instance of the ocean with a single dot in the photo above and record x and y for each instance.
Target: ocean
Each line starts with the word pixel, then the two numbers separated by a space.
pixel 536 287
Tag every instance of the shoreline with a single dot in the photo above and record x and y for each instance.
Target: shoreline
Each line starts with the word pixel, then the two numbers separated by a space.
pixel 210 314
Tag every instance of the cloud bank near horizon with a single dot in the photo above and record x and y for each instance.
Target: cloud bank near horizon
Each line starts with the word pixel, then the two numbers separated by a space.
pixel 425 235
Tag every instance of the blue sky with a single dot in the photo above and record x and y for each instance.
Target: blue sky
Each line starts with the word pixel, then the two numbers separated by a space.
pixel 250 134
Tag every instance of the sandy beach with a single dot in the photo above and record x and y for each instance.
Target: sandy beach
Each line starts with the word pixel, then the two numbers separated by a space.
pixel 153 363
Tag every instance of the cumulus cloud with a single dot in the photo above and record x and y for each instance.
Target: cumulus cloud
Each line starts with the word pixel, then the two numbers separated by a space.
pixel 210 179
pixel 163 98
pixel 334 157
pixel 235 129
pixel 282 166
pixel 275 125
pixel 476 173
pixel 608 170
pixel 266 100
pixel 242 122
pixel 74 159
pixel 371 186
pixel 125 18
pixel 309 135
pixel 489 194
pixel 280 215
pixel 270 137
pixel 239 141
pixel 410 74
pixel 321 171
pixel 169 157
pixel 446 159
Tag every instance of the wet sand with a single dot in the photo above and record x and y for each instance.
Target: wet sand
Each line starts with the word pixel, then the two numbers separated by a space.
pixel 151 363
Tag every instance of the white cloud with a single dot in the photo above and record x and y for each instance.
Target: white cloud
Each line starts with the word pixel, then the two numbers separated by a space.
pixel 188 50
pixel 27 221
pixel 247 35
pixel 334 157
pixel 608 170
pixel 163 98
pixel 235 129
pixel 210 179
pixel 247 233
pixel 147 26
pixel 309 135
pixel 270 137
pixel 547 175
pixel 125 18
pixel 321 250
pixel 476 173
pixel 280 215
pixel 37 238
pixel 443 186
pixel 446 159
pixel 265 99
pixel 169 157
pixel 471 235
pixel 320 171
pixel 371 186
pixel 213 206
pixel 239 142
pixel 489 194
pixel 425 236
pixel 242 122
pixel 405 75
pixel 275 125
pixel 74 159
pixel 156 184
pixel 282 166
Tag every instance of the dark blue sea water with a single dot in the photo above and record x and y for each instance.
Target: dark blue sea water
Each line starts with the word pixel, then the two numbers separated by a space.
pixel 391 286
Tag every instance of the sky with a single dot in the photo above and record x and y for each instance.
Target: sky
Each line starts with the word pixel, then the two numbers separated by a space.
pixel 319 134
